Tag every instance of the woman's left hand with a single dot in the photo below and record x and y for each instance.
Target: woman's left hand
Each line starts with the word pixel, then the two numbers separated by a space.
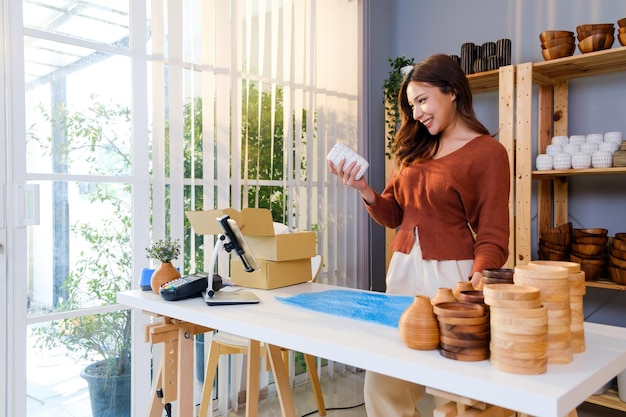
pixel 476 277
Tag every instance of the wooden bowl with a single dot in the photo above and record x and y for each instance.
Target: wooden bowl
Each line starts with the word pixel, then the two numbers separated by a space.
pixel 621 30
pixel 553 34
pixel 554 246
pixel 511 292
pixel 499 273
pixel 586 232
pixel 596 42
pixel 472 296
pixel 592 240
pixel 619 244
pixel 620 236
pixel 557 41
pixel 622 39
pixel 459 309
pixel 613 251
pixel 563 239
pixel 594 26
pixel 620 263
pixel 552 256
pixel 559 51
pixel 576 258
pixel 622 22
pixel 618 275
pixel 587 33
pixel 588 249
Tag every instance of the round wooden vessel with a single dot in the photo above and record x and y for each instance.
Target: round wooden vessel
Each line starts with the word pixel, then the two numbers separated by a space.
pixel 418 325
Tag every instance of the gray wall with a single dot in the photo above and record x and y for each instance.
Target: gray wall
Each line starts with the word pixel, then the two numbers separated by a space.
pixel 419 28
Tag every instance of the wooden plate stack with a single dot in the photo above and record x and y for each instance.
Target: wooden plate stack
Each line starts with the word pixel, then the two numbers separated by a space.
pixel 617 258
pixel 577 289
pixel 519 329
pixel 553 285
pixel 555 244
pixel 464 331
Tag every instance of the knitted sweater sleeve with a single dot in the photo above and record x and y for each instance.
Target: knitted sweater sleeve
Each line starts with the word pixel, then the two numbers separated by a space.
pixel 487 204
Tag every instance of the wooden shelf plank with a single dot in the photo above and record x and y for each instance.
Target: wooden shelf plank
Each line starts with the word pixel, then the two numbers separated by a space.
pixel 605 284
pixel 576 66
pixel 609 399
pixel 576 172
pixel 483 82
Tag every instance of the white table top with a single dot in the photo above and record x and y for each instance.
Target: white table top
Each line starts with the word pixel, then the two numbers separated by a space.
pixel 379 348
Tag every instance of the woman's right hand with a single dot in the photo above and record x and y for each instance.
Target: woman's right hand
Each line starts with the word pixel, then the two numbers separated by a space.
pixel 347 177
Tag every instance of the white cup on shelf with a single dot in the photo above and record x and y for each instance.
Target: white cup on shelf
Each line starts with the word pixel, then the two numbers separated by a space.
pixel 543 162
pixel 554 149
pixel 594 138
pixel 559 140
pixel 562 161
pixel 608 146
pixel 602 159
pixel 621 385
pixel 581 160
pixel 610 136
pixel 589 148
pixel 571 148
pixel 577 139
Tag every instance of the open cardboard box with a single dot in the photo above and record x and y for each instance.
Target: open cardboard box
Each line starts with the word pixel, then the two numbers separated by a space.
pixel 285 259
pixel 271 274
pixel 258 228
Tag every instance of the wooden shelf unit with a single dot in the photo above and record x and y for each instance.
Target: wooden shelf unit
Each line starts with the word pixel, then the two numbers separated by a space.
pixel 551 78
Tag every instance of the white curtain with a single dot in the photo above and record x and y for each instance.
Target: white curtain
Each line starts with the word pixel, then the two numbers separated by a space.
pixel 278 87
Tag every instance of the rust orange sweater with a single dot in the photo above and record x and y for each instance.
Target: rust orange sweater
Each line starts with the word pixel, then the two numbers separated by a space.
pixel 442 196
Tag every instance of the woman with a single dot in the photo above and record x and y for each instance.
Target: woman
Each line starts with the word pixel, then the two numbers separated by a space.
pixel 447 198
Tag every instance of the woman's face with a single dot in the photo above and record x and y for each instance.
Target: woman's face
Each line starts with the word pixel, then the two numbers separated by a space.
pixel 432 108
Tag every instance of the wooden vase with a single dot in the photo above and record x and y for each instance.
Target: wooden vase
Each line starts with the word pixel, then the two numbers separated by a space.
pixel 444 295
pixel 418 325
pixel 462 286
pixel 164 273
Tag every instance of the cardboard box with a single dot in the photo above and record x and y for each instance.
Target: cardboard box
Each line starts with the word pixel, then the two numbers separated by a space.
pixel 258 228
pixel 271 274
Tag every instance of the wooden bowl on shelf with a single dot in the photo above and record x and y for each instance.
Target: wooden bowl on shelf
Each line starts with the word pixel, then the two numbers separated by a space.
pixel 561 239
pixel 553 34
pixel 621 30
pixel 585 34
pixel 620 254
pixel 618 275
pixel 559 51
pixel 619 244
pixel 588 249
pixel 587 232
pixel 459 309
pixel 621 37
pixel 622 22
pixel 557 41
pixel 594 26
pixel 596 42
pixel 592 240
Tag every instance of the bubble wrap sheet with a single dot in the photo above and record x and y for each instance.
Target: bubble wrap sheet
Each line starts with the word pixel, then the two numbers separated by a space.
pixel 368 306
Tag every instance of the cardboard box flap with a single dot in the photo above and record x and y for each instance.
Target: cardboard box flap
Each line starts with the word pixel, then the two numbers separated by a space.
pixel 251 221
pixel 205 222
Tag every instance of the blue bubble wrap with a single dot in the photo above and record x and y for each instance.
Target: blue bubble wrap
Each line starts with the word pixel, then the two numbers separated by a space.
pixel 368 306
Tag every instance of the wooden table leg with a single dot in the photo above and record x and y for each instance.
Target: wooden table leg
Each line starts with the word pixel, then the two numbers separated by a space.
pixel 282 381
pixel 252 385
pixel 185 373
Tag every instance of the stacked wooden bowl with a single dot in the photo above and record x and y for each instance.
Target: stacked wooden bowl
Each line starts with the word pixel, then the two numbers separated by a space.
pixel 553 285
pixel 519 328
pixel 464 331
pixel 555 244
pixel 619 156
pixel 595 37
pixel 621 31
pixel 557 44
pixel 577 290
pixel 617 259
pixel 497 276
pixel 589 249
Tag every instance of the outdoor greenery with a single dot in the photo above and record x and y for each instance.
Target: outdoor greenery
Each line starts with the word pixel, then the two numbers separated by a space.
pixel 391 88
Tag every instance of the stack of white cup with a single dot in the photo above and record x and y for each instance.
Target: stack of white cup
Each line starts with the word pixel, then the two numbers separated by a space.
pixel 580 151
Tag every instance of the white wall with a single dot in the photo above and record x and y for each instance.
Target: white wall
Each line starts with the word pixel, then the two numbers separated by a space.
pixel 421 28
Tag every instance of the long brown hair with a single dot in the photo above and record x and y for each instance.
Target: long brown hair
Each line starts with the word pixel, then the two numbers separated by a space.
pixel 413 141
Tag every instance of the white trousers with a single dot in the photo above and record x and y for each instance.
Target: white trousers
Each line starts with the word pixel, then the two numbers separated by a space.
pixel 410 274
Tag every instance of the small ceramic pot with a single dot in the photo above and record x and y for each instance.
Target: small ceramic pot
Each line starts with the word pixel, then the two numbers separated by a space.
pixel 581 160
pixel 577 139
pixel 544 162
pixel 571 149
pixel 594 138
pixel 613 137
pixel 562 161
pixel 608 146
pixel 554 149
pixel 602 159
pixel 589 148
pixel 559 140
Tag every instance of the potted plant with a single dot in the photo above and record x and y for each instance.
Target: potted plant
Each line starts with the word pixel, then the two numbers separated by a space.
pixel 165 251
pixel 391 88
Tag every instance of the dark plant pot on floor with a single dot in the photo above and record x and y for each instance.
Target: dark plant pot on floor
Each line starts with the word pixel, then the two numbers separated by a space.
pixel 109 395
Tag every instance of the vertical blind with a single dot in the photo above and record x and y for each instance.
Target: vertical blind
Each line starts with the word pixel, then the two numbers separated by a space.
pixel 252 94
